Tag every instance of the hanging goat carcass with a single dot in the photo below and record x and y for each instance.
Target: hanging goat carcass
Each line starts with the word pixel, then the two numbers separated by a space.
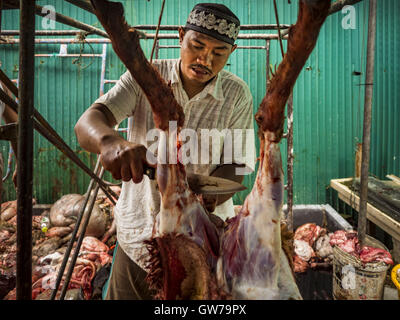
pixel 190 258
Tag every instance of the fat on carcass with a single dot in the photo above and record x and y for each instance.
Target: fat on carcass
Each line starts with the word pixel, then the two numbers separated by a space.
pixel 188 252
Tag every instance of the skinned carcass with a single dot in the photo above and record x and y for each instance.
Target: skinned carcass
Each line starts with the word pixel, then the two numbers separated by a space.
pixel 185 243
pixel 64 213
pixel 190 257
pixel 251 259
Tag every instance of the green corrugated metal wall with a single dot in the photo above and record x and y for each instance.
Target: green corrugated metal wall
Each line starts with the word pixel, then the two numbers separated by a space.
pixel 328 97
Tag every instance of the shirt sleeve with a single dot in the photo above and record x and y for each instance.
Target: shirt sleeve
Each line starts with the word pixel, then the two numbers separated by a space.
pixel 121 99
pixel 241 126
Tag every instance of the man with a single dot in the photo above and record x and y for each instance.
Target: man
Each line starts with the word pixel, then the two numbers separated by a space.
pixel 211 97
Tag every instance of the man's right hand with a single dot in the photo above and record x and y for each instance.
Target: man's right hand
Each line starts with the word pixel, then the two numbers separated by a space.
pixel 125 160
pixel 95 132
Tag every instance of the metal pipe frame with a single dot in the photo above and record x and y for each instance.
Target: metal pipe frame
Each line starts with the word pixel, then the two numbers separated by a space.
pixel 239 47
pixel 249 36
pixel 66 20
pixel 242 27
pixel 68 55
pixel 103 56
pixel 25 151
pixel 47 32
pixel 267 50
pixel 103 68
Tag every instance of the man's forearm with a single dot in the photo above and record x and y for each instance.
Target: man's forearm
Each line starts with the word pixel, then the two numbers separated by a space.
pixel 95 128
pixel 9 115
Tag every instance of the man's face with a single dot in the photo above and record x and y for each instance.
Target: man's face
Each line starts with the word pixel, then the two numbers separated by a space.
pixel 202 56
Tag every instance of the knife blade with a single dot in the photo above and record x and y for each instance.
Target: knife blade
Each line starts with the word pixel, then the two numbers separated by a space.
pixel 202 184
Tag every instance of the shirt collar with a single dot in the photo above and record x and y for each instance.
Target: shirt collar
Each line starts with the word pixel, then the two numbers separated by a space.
pixel 175 77
pixel 214 88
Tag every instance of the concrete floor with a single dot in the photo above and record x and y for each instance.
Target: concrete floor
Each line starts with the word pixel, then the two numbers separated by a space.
pixel 390 293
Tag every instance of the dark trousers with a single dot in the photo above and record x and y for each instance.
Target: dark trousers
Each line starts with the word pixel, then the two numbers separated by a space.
pixel 127 279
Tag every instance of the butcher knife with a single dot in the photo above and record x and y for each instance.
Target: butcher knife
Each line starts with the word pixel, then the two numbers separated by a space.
pixel 202 184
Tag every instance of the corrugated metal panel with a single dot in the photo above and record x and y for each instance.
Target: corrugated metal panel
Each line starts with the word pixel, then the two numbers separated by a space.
pixel 64 87
pixel 328 98
pixel 385 144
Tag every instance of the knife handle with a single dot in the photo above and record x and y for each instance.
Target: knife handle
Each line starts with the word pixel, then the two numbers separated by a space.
pixel 150 172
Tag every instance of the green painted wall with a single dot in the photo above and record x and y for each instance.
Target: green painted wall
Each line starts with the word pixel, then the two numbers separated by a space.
pixel 328 97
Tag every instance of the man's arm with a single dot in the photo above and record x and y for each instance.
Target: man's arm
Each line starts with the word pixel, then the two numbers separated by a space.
pixel 95 127
pixel 9 115
pixel 122 158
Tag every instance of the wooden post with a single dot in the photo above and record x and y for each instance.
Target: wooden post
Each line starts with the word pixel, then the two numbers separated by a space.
pixel 369 79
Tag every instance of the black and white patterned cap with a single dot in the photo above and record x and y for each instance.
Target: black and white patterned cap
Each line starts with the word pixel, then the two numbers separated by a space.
pixel 215 20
